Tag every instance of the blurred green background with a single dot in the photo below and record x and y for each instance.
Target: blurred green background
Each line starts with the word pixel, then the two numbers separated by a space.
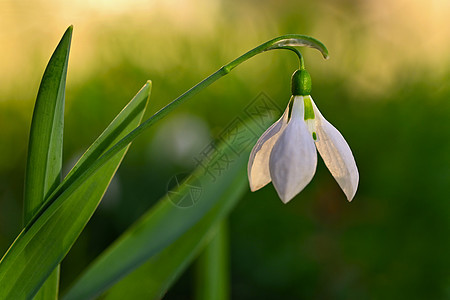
pixel 386 88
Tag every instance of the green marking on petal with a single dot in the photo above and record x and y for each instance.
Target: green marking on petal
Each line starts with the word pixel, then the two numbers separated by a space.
pixel 309 111
pixel 309 116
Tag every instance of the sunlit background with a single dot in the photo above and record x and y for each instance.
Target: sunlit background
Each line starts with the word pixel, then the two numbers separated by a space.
pixel 385 87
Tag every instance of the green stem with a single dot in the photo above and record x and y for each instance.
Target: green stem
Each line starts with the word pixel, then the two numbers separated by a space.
pixel 284 41
pixel 281 42
pixel 301 61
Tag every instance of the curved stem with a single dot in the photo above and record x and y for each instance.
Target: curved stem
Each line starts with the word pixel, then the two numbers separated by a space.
pixel 301 61
pixel 288 40
pixel 282 42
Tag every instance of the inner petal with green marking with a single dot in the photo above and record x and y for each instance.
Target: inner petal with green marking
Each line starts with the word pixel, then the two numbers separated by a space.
pixel 310 117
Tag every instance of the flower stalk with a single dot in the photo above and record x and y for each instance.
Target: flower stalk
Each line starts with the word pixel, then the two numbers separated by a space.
pixel 282 42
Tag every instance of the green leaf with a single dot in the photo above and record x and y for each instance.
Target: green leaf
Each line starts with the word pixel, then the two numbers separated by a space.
pixel 212 268
pixel 44 163
pixel 154 277
pixel 45 241
pixel 218 183
pixel 43 171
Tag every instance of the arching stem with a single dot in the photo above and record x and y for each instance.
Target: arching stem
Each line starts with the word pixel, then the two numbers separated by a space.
pixel 282 42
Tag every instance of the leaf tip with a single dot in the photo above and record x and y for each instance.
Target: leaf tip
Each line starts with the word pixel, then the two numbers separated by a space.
pixel 149 85
pixel 69 31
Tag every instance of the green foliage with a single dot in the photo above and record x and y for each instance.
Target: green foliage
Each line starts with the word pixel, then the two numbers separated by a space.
pixel 52 231
pixel 44 164
pixel 212 267
pixel 43 172
pixel 167 237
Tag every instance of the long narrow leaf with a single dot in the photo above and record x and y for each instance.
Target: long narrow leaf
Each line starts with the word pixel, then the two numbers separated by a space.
pixel 43 171
pixel 41 246
pixel 167 222
pixel 156 276
pixel 44 163
pixel 211 268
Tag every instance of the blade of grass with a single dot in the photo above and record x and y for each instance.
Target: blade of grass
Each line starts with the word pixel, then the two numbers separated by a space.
pixel 34 254
pixel 212 274
pixel 44 163
pixel 166 222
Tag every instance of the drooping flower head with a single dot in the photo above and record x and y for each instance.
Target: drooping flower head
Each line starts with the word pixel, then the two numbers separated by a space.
pixel 286 152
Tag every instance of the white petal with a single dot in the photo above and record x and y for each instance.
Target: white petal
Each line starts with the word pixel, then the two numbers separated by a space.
pixel 258 163
pixel 336 154
pixel 294 158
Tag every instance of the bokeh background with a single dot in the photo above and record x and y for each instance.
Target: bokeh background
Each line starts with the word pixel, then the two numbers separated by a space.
pixel 385 87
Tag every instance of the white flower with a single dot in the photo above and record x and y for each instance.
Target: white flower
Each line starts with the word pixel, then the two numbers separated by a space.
pixel 286 153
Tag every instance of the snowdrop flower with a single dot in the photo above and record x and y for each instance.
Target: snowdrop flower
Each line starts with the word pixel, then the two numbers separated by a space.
pixel 286 153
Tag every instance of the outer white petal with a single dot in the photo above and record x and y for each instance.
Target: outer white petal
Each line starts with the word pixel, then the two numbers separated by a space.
pixel 336 154
pixel 258 163
pixel 293 158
